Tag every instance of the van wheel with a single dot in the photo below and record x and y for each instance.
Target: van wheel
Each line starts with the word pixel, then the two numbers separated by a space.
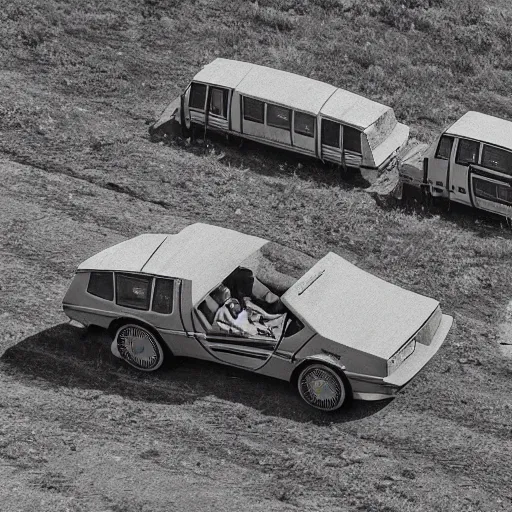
pixel 322 387
pixel 139 347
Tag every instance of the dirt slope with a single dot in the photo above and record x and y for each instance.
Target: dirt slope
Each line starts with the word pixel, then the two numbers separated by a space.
pixel 80 431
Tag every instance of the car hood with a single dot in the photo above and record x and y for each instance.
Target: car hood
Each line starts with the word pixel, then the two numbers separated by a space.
pixel 347 305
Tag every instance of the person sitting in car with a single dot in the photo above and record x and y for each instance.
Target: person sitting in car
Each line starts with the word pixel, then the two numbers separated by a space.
pixel 244 286
pixel 246 319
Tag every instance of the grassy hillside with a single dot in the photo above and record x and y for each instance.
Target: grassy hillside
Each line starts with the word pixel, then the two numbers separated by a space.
pixel 78 85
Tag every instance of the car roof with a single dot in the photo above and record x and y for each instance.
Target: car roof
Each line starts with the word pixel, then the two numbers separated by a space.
pixel 201 253
pixel 128 256
pixel 482 127
pixel 292 90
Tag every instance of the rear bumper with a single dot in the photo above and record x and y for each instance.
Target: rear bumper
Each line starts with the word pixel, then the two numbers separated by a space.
pixel 378 388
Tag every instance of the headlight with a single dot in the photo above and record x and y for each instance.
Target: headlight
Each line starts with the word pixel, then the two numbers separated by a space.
pixel 401 356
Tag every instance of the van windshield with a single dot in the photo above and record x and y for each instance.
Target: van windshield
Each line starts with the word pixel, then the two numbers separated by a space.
pixel 379 131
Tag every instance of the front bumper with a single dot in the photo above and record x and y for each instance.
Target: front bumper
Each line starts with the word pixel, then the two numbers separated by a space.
pixel 376 388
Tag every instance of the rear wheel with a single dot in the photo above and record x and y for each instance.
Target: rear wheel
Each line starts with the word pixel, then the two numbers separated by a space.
pixel 322 387
pixel 139 347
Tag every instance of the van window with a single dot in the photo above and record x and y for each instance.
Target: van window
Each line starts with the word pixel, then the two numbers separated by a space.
pixel 163 296
pixel 279 117
pixel 219 102
pixel 254 110
pixel 101 284
pixel 197 96
pixel 351 139
pixel 133 291
pixel 444 148
pixel 304 124
pixel 492 191
pixel 330 133
pixel 467 152
pixel 497 159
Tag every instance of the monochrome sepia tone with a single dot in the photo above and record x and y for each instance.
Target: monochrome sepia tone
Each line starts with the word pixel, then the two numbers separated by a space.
pixel 255 255
pixel 335 321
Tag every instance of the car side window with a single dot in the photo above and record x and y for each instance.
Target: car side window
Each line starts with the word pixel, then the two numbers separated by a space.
pixel 163 296
pixel 197 96
pixel 219 102
pixel 101 284
pixel 351 139
pixel 331 133
pixel 279 117
pixel 304 124
pixel 254 110
pixel 444 148
pixel 497 159
pixel 133 291
pixel 467 152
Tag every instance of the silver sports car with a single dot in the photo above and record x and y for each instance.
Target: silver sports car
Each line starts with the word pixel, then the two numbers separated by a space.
pixel 334 331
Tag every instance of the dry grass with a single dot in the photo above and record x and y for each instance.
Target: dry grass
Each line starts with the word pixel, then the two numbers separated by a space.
pixel 79 82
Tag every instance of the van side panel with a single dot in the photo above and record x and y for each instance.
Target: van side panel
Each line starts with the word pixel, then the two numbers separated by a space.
pixel 278 135
pixel 254 129
pixel 304 142
pixel 235 112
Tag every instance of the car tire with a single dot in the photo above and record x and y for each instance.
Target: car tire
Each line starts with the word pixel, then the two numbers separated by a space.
pixel 139 347
pixel 322 387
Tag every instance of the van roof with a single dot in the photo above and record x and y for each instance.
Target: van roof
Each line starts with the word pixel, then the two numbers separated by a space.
pixel 353 109
pixel 224 72
pixel 489 129
pixel 294 91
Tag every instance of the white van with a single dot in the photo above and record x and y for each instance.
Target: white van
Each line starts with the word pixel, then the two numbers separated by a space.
pixel 289 111
pixel 469 163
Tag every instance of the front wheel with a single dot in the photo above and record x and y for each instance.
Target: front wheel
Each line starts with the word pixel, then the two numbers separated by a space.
pixel 322 387
pixel 139 347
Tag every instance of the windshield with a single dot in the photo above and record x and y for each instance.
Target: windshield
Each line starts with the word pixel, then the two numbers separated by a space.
pixel 279 267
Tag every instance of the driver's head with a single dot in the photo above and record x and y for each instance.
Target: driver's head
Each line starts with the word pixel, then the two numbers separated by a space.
pixel 241 282
pixel 221 294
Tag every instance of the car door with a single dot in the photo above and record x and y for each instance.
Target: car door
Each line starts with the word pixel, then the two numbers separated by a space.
pixel 225 345
pixel 330 141
pixel 247 352
pixel 197 102
pixel 218 108
pixel 465 153
pixel 438 170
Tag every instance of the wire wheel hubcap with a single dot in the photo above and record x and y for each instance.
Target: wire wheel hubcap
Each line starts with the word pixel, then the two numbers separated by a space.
pixel 138 347
pixel 321 387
